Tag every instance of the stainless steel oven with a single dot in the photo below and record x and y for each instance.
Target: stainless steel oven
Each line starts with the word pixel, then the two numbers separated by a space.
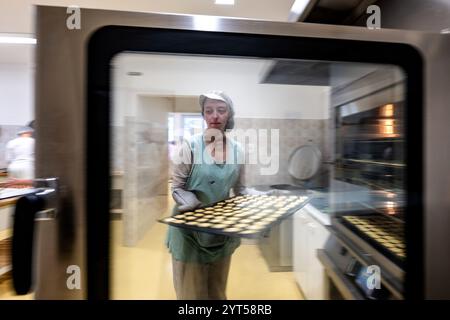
pixel 74 96
pixel 370 153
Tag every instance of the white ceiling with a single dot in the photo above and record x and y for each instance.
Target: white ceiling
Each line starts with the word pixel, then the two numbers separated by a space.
pixel 177 66
pixel 17 54
pixel 190 76
pixel 17 16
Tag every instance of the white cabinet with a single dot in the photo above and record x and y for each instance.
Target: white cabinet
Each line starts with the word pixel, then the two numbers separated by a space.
pixel 299 247
pixel 277 247
pixel 309 235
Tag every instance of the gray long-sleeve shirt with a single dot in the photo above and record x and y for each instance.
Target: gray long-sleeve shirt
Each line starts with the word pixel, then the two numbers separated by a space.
pixel 182 169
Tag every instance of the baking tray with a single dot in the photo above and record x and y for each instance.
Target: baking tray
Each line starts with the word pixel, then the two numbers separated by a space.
pixel 245 216
pixel 385 234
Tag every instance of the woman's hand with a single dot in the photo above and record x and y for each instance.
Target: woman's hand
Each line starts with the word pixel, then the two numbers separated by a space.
pixel 186 200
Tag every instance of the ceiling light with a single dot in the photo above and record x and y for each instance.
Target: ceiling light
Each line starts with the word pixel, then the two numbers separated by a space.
pixel 15 38
pixel 299 6
pixel 206 23
pixel 301 9
pixel 134 73
pixel 225 2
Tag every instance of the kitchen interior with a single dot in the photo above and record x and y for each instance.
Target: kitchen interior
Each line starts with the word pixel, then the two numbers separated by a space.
pixel 347 119
pixel 340 143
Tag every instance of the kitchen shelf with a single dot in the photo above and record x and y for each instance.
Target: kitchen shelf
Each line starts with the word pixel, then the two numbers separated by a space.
pixel 8 202
pixel 4 234
pixel 378 140
pixel 369 184
pixel 378 163
pixel 5 260
pixel 358 136
pixel 4 270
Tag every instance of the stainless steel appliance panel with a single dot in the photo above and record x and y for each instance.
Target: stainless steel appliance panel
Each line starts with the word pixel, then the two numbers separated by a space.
pixel 61 123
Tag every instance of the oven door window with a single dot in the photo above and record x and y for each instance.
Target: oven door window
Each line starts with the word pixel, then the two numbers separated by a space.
pixel 279 150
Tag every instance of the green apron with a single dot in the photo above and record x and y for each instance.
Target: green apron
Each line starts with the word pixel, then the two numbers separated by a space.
pixel 211 183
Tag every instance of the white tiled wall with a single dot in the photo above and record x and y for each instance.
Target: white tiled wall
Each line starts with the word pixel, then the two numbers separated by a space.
pixel 145 163
pixel 293 133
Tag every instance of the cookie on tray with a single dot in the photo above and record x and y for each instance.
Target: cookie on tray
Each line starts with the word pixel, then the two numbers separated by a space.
pixel 232 229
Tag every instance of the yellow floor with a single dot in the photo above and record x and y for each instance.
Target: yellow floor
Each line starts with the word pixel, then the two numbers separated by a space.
pixel 144 271
pixel 6 285
pixel 7 291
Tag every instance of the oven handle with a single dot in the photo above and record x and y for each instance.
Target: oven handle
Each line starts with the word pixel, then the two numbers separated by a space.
pixel 348 290
pixel 30 208
pixel 25 213
pixel 367 260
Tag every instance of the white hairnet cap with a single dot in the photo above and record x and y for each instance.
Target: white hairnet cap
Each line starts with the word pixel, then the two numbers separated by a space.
pixel 221 96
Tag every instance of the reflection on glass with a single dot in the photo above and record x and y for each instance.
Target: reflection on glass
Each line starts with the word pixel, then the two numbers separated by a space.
pixel 192 125
pixel 370 149
pixel 171 128
pixel 352 116
pixel 17 171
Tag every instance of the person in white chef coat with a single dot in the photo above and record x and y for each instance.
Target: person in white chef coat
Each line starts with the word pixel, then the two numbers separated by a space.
pixel 20 155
